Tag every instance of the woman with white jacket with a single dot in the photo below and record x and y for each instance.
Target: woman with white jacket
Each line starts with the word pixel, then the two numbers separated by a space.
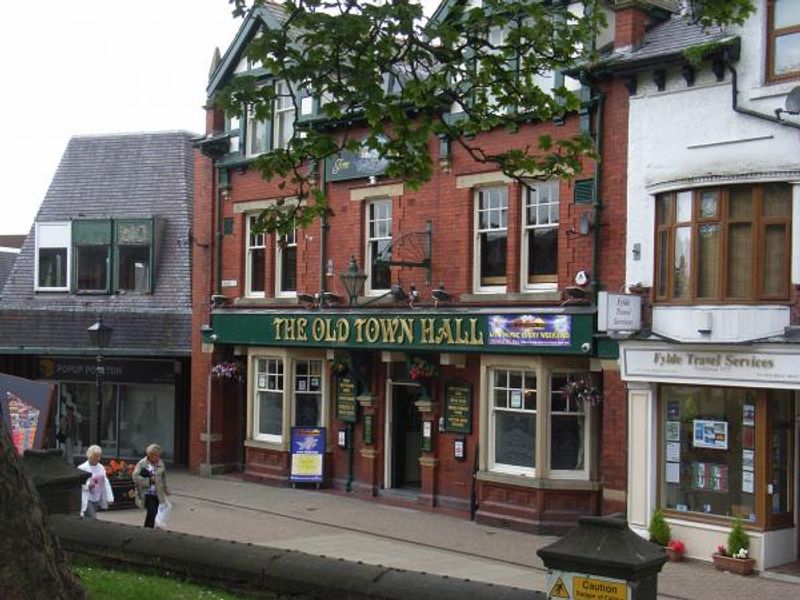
pixel 96 492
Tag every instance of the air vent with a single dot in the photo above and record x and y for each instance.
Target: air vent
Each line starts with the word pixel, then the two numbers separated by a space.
pixel 584 191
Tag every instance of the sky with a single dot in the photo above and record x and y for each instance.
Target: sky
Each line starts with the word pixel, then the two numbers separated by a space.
pixel 75 67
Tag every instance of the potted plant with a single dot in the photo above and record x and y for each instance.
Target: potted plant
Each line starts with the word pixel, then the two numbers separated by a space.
pixel 734 558
pixel 659 529
pixel 675 550
pixel 120 476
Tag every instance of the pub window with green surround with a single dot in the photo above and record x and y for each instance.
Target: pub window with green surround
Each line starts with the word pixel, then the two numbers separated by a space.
pixel 96 256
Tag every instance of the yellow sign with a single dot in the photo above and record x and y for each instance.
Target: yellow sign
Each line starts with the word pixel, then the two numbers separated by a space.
pixel 586 588
pixel 559 590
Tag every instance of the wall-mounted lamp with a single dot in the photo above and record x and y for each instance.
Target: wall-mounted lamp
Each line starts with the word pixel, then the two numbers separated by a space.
pixel 445 152
pixel 353 280
pixel 792 104
pixel 329 271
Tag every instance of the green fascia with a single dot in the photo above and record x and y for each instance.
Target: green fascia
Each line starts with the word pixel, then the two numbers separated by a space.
pixel 607 347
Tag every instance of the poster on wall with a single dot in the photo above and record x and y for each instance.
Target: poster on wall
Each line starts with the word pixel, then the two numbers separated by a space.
pixel 748 482
pixel 673 431
pixel 748 460
pixel 673 474
pixel 710 434
pixel 748 415
pixel 25 406
pixel 710 477
pixel 308 452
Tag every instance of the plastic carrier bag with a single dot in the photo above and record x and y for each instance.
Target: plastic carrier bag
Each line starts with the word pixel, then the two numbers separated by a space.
pixel 162 516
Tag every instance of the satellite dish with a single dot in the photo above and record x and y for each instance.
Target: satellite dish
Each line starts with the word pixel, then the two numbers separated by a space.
pixel 793 101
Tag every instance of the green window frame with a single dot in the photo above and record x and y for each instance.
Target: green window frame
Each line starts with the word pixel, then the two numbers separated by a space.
pixel 91 256
pixel 133 256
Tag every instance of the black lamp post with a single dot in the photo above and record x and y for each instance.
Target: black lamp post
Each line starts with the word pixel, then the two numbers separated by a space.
pixel 353 280
pixel 99 335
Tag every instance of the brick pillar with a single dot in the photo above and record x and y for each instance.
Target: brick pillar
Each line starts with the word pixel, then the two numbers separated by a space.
pixel 369 453
pixel 427 461
pixel 614 453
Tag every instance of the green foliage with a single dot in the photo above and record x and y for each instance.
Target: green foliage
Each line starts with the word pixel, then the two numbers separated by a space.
pixel 721 12
pixel 696 54
pixel 659 529
pixel 737 538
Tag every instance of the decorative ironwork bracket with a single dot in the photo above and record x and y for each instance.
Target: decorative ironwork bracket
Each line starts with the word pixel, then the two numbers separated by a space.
pixel 414 245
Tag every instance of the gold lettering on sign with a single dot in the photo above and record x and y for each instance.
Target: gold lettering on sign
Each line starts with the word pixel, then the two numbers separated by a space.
pixel 389 329
pixel 407 326
pixel 373 330
pixel 426 331
pixel 342 330
pixel 301 329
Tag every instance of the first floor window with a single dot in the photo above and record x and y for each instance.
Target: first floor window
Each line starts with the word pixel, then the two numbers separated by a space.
pixel 379 240
pixel 540 236
pixel 491 238
pixel 784 39
pixel 257 133
pixel 567 427
pixel 308 393
pixel 269 399
pixel 53 242
pixel 92 240
pixel 286 263
pixel 256 259
pixel 134 241
pixel 284 116
pixel 513 397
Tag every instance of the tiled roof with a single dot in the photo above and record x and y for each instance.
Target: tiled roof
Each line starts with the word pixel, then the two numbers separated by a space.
pixel 114 176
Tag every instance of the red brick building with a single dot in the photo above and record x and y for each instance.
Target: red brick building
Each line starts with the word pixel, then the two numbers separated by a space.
pixel 443 384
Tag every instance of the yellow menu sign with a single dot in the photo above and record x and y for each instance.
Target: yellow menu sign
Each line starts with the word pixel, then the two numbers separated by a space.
pixel 587 588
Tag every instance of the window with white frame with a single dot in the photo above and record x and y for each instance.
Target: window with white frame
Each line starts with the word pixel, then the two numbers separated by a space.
pixel 284 116
pixel 53 245
pixel 256 259
pixel 257 141
pixel 286 264
pixel 308 398
pixel 379 238
pixel 513 420
pixel 491 239
pixel 540 235
pixel 568 432
pixel 268 402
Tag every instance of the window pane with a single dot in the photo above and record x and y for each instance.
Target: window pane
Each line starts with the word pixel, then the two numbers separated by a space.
pixel 147 413
pixel 501 398
pixel 566 442
pixel 92 267
pixel 289 269
pixel 787 53
pixel 515 380
pixel 774 267
pixel 708 261
pixel 493 258
pixel 740 261
pixel 663 262
pixel 53 267
pixel 663 204
pixel 515 439
pixel 709 457
pixel 681 277
pixel 134 268
pixel 308 412
pixel 683 207
pixel 708 203
pixel 542 255
pixel 270 413
pixel 787 13
pixel 780 405
pixel 777 200
pixel 741 202
pixel 380 274
pixel 257 269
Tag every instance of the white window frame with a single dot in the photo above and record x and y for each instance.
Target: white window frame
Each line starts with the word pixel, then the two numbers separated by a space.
pixel 493 464
pixel 476 258
pixel 248 290
pixel 291 242
pixel 528 231
pixel 368 257
pixel 256 388
pixel 323 407
pixel 252 126
pixel 282 107
pixel 61 237
pixel 583 473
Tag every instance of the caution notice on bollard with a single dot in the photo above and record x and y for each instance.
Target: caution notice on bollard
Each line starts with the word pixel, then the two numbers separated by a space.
pixel 573 586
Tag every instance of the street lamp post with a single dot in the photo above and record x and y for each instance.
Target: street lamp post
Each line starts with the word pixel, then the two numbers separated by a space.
pixel 353 280
pixel 99 335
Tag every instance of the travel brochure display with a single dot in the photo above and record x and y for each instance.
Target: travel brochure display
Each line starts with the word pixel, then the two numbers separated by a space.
pixel 308 451
pixel 710 434
pixel 709 477
pixel 25 406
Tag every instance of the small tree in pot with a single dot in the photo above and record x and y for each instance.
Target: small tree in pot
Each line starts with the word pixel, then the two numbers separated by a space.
pixel 734 557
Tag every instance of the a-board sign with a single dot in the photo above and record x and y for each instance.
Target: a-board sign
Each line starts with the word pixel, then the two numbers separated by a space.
pixel 308 453
pixel 562 585
pixel 346 407
pixel 458 408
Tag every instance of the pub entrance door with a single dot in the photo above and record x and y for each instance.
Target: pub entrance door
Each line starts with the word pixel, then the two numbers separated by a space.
pixel 404 437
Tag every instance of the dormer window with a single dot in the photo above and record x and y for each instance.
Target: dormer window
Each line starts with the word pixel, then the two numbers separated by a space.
pixel 134 252
pixel 92 246
pixel 53 253
pixel 257 134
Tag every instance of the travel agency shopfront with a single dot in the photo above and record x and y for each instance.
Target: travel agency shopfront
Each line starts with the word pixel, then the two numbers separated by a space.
pixel 717 430
pixel 454 409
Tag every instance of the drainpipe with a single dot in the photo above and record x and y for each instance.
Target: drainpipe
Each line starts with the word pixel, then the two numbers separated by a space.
pixel 208 424
pixel 218 235
pixel 597 205
pixel 747 111
pixel 324 226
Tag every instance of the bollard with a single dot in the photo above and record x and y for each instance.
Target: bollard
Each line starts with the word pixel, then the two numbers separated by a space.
pixel 602 559
pixel 58 484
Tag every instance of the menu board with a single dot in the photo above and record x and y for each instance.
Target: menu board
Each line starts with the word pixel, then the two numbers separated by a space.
pixel 346 407
pixel 458 408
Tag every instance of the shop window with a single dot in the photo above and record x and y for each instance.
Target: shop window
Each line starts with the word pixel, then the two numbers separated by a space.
pixel 256 260
pixel 568 432
pixel 286 264
pixel 780 460
pixel 53 244
pixel 513 412
pixel 134 253
pixel 724 244
pixel 92 256
pixel 308 408
pixel 540 235
pixel 491 239
pixel 379 239
pixel 783 56
pixel 147 415
pixel 268 405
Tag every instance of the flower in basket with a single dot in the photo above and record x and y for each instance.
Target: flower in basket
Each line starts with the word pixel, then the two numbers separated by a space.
pixel 421 369
pixel 741 554
pixel 226 370
pixel 721 550
pixel 677 546
pixel 119 470
pixel 583 390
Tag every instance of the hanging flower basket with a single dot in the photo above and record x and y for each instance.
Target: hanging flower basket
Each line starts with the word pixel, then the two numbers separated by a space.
pixel 421 369
pixel 120 476
pixel 584 390
pixel 230 371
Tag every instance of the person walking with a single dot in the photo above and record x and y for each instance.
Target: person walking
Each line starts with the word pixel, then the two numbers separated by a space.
pixel 150 477
pixel 96 492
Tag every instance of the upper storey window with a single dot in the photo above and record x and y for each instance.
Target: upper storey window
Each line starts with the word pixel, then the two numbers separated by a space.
pixel 53 249
pixel 540 234
pixel 379 239
pixel 784 39
pixel 727 244
pixel 491 239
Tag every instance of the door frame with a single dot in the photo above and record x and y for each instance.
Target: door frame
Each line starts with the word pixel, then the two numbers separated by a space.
pixel 388 431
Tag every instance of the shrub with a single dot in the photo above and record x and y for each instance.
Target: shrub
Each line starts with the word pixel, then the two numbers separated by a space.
pixel 659 529
pixel 737 539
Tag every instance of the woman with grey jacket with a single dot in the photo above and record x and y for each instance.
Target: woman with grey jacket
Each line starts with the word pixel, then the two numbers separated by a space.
pixel 150 477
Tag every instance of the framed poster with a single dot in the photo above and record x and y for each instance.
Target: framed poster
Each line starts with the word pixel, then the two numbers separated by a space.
pixel 710 434
pixel 346 407
pixel 673 431
pixel 26 407
pixel 458 407
pixel 308 453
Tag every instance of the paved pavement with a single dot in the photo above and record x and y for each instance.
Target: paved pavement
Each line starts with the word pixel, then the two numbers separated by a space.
pixel 333 525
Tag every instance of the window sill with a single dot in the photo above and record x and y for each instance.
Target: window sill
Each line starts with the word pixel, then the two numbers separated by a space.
pixel 531 296
pixel 262 445
pixel 538 483
pixel 289 300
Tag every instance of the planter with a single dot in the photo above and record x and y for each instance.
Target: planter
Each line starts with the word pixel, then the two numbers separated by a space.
pixel 740 566
pixel 124 494
pixel 673 555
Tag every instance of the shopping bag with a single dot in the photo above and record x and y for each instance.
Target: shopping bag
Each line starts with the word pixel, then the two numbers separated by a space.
pixel 162 516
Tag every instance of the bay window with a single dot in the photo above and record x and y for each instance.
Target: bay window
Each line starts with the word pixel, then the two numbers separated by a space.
pixel 783 55
pixel 728 244
pixel 540 235
pixel 568 431
pixel 379 239
pixel 491 239
pixel 53 246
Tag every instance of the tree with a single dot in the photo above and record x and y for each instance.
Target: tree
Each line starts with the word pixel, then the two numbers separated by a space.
pixel 404 78
pixel 33 565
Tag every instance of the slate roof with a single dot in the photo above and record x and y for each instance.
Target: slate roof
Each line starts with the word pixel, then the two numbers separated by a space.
pixel 112 176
